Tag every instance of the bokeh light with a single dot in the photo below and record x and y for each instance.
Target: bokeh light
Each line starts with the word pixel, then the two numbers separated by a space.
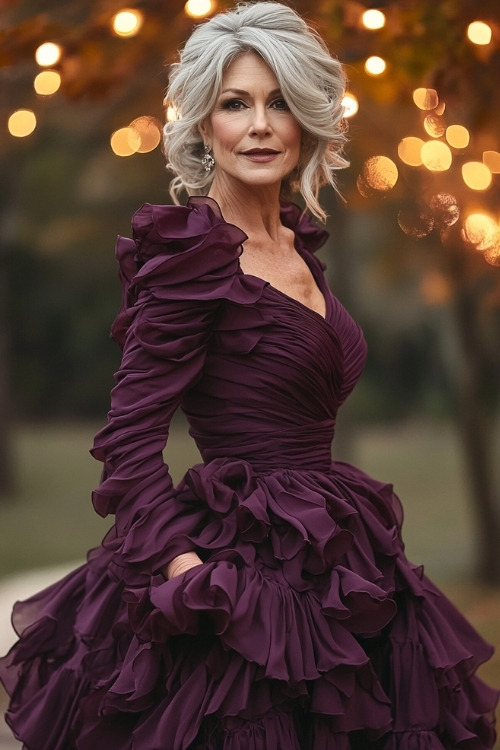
pixel 198 8
pixel 47 82
pixel 48 54
pixel 492 254
pixel 409 151
pixel 434 126
pixel 492 161
pixel 416 221
pixel 21 123
pixel 127 22
pixel 479 32
pixel 436 156
pixel 426 99
pixel 148 129
pixel 482 231
pixel 375 65
pixel 457 136
pixel 125 142
pixel 445 210
pixel 350 105
pixel 379 173
pixel 373 19
pixel 476 175
pixel 171 112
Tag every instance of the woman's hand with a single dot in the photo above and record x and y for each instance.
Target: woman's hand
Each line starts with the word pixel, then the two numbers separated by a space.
pixel 181 564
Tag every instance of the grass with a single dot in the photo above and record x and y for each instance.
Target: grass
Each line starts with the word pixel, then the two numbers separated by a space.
pixel 49 518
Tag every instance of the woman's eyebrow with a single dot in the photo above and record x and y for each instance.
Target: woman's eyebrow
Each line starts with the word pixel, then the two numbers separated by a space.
pixel 242 92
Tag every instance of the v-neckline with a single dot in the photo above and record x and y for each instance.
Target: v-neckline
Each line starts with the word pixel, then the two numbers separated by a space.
pixel 318 280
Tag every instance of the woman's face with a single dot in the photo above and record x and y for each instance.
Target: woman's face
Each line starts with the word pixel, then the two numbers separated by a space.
pixel 254 137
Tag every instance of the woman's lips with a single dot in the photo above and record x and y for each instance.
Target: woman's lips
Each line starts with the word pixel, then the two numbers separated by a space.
pixel 260 155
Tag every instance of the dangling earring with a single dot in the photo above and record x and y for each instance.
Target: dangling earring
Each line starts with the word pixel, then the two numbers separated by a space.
pixel 208 160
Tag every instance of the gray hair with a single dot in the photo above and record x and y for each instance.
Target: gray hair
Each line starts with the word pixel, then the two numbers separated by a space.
pixel 312 83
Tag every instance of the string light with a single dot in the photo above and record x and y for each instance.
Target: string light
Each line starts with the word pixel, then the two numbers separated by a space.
pixel 479 33
pixel 47 82
pixel 492 254
pixel 125 142
pixel 457 136
pixel 373 19
pixel 21 123
pixel 492 161
pixel 127 22
pixel 434 126
pixel 375 65
pixel 409 151
pixel 426 99
pixel 481 231
pixel 436 156
pixel 350 105
pixel 48 54
pixel 379 173
pixel 476 175
pixel 148 130
pixel 198 8
pixel 445 210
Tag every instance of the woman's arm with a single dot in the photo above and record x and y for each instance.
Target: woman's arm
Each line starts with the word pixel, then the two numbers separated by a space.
pixel 181 564
pixel 163 355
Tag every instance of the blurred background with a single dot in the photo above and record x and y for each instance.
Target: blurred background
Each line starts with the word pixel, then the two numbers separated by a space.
pixel 414 253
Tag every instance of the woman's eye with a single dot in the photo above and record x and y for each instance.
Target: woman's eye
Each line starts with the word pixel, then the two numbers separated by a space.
pixel 280 104
pixel 233 104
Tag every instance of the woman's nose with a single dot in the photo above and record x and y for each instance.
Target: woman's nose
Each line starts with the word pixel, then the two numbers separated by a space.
pixel 260 124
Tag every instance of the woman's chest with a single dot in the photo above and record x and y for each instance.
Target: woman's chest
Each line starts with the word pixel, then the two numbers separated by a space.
pixel 289 274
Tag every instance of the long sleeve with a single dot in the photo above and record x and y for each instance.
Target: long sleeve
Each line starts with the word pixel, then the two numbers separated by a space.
pixel 163 355
pixel 181 263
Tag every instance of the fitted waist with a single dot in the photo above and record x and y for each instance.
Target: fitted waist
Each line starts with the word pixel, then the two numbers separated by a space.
pixel 297 447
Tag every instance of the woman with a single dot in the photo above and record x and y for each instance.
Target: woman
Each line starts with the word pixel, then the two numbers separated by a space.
pixel 264 603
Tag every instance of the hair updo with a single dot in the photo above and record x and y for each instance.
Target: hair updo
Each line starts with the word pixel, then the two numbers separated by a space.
pixel 312 83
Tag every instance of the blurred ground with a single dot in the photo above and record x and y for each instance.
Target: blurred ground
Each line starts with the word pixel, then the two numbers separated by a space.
pixel 48 523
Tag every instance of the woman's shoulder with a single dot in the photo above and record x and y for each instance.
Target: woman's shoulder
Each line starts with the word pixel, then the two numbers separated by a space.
pixel 171 230
pixel 174 245
pixel 182 254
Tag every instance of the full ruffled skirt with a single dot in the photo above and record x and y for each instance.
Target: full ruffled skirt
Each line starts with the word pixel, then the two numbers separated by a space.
pixel 305 629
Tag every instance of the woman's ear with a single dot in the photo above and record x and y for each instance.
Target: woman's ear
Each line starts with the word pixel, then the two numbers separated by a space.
pixel 204 130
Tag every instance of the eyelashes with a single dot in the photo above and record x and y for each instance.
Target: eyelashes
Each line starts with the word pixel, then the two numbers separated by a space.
pixel 234 105
pixel 237 105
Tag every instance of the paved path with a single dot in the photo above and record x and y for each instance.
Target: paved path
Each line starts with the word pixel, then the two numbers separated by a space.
pixel 15 588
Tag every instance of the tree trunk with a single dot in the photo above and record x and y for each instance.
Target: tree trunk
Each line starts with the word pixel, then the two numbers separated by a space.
pixel 6 212
pixel 6 462
pixel 477 432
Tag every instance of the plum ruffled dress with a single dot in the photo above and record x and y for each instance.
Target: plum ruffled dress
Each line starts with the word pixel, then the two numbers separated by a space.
pixel 306 628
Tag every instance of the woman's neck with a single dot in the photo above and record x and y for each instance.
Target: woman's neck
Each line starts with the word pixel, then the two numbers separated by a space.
pixel 255 210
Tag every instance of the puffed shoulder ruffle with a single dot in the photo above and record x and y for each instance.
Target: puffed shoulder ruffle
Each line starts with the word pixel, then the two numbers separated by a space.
pixel 310 237
pixel 180 253
pixel 191 253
